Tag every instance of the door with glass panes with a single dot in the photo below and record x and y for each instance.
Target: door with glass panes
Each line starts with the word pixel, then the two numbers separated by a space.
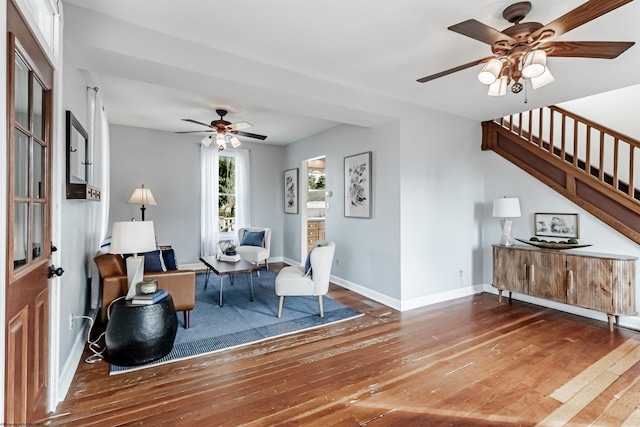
pixel 29 137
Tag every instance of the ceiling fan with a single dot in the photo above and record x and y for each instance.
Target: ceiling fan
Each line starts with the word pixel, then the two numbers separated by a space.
pixel 225 131
pixel 520 51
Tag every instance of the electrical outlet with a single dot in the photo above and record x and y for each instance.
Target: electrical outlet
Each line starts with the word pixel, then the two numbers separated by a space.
pixel 71 321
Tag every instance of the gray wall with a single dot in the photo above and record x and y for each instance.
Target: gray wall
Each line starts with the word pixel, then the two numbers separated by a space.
pixel 73 245
pixel 368 249
pixel 169 165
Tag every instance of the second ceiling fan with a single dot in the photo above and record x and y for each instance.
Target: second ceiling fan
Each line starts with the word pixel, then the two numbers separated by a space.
pixel 520 51
pixel 225 131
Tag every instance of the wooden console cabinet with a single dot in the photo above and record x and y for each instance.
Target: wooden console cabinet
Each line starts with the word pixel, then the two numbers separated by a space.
pixel 600 282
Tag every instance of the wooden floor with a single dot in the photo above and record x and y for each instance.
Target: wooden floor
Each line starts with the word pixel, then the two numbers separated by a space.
pixel 468 362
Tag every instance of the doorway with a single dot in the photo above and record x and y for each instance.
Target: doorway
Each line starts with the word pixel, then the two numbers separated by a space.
pixel 313 203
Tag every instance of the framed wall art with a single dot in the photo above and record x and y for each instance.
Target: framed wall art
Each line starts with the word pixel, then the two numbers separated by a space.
pixel 357 185
pixel 291 191
pixel 556 225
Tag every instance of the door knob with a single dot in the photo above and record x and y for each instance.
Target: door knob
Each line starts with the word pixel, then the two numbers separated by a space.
pixel 53 271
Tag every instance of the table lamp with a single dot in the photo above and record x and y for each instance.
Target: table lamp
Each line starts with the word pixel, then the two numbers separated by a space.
pixel 133 237
pixel 142 196
pixel 506 207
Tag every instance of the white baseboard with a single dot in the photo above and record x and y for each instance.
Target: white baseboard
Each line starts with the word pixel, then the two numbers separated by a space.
pixel 631 322
pixel 73 361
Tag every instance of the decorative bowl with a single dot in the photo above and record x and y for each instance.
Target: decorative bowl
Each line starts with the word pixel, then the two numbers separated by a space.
pixel 553 245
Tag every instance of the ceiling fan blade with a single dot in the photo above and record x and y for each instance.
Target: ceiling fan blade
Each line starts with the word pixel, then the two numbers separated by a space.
pixel 196 131
pixel 453 70
pixel 580 15
pixel 604 50
pixel 196 122
pixel 481 32
pixel 239 126
pixel 247 134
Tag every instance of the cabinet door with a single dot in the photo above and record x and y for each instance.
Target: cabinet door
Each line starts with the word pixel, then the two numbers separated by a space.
pixel 509 269
pixel 547 275
pixel 601 284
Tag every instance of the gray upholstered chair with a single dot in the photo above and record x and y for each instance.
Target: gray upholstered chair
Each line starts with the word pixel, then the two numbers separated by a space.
pixel 254 245
pixel 313 279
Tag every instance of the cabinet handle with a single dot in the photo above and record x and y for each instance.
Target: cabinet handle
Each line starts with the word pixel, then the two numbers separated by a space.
pixel 532 271
pixel 524 272
pixel 569 282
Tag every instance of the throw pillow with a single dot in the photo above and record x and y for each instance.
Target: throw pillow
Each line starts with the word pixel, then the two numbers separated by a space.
pixel 170 261
pixel 252 238
pixel 152 261
pixel 307 265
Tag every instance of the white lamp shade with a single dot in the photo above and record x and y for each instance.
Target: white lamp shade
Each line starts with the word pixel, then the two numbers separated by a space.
pixel 132 237
pixel 235 142
pixel 506 207
pixel 220 140
pixel 534 63
pixel 206 141
pixel 499 87
pixel 542 79
pixel 490 71
pixel 142 196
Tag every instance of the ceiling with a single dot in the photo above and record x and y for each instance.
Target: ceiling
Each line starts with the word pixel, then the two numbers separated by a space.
pixel 294 68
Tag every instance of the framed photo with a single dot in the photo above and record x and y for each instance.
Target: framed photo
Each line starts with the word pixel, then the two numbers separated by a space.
pixel 556 225
pixel 291 191
pixel 357 185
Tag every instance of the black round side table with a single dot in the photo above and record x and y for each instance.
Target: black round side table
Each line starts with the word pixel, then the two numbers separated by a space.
pixel 139 334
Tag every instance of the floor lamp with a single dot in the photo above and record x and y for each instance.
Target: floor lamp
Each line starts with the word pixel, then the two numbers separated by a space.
pixel 133 237
pixel 142 196
pixel 505 208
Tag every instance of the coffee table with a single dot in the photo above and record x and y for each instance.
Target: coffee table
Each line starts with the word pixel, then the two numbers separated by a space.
pixel 224 268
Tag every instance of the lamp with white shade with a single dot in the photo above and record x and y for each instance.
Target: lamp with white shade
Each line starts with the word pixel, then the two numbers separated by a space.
pixel 505 208
pixel 133 237
pixel 142 196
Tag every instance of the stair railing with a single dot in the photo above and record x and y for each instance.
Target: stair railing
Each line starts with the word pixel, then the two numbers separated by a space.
pixel 604 154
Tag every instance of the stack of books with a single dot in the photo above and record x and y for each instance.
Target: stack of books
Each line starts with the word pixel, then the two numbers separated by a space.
pixel 142 299
pixel 230 258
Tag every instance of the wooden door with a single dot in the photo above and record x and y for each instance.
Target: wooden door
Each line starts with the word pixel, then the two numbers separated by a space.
pixel 29 137
pixel 510 269
pixel 547 275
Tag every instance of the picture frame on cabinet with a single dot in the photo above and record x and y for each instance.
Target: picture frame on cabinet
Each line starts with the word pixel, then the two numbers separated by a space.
pixel 564 225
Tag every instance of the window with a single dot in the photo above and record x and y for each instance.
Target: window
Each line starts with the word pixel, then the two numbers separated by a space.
pixel 226 194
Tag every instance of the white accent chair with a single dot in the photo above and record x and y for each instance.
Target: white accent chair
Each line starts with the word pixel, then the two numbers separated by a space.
pixel 255 254
pixel 295 281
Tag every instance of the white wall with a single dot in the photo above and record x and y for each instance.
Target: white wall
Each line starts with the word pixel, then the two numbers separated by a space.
pixel 169 165
pixel 441 187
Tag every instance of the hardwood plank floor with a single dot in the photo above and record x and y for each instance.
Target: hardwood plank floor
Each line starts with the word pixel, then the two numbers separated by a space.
pixel 467 362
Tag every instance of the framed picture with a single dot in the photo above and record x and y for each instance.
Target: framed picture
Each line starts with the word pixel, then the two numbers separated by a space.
pixel 291 191
pixel 357 185
pixel 556 225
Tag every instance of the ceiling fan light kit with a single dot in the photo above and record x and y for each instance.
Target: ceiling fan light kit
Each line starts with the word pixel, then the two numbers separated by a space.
pixel 222 129
pixel 520 52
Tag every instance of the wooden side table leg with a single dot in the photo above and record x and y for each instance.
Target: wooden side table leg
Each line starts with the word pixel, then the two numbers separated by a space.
pixel 499 295
pixel 610 318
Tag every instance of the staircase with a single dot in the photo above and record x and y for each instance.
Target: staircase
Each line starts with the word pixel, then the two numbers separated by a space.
pixel 591 165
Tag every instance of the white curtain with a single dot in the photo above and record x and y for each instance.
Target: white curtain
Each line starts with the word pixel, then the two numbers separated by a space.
pixel 243 185
pixel 99 177
pixel 208 200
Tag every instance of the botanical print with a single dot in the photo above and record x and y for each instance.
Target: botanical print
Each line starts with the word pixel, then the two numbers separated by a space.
pixel 357 181
pixel 291 191
pixel 357 185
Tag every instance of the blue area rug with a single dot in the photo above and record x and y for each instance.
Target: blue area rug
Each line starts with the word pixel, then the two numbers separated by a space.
pixel 239 321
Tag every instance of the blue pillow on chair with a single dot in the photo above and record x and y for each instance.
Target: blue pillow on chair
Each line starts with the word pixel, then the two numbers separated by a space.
pixel 152 261
pixel 169 258
pixel 307 265
pixel 252 238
